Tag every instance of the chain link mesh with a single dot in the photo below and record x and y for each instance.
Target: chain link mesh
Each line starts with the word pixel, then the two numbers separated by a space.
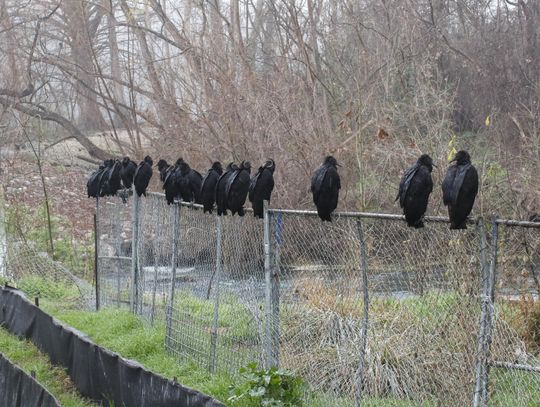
pixel 204 277
pixel 515 350
pixel 216 316
pixel 423 316
pixel 154 248
pixel 38 275
pixel 114 247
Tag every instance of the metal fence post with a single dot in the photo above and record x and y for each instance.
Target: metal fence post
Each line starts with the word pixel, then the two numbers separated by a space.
pixel 96 254
pixel 215 321
pixel 134 255
pixel 3 237
pixel 481 392
pixel 272 334
pixel 491 304
pixel 365 319
pixel 174 261
pixel 154 287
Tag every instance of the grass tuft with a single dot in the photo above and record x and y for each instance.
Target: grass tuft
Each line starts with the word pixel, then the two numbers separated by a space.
pixel 55 379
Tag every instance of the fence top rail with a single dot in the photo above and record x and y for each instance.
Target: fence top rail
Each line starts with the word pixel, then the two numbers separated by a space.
pixel 191 205
pixel 367 215
pixel 371 215
pixel 522 223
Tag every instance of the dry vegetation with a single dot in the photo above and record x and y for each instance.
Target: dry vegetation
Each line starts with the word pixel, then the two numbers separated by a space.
pixel 374 83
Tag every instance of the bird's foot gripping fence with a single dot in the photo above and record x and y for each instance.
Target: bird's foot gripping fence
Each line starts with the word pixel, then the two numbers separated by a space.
pixel 364 309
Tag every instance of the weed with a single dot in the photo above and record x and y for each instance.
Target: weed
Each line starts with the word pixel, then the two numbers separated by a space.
pixel 267 388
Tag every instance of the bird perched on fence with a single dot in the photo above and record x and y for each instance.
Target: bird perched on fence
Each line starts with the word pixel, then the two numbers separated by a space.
pixel 112 182
pixel 92 185
pixel 104 176
pixel 460 187
pixel 166 175
pixel 414 190
pixel 142 176
pixel 325 186
pixel 208 186
pixel 261 186
pixel 188 181
pixel 127 172
pixel 221 189
pixel 238 187
pixel 162 167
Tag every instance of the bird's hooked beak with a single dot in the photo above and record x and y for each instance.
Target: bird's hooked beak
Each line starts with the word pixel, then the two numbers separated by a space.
pixel 453 160
pixel 436 166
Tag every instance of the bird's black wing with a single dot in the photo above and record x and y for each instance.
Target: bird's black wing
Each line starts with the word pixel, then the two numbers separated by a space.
pixel 92 185
pixel 317 181
pixel 137 171
pixel 405 183
pixel 104 181
pixel 265 185
pixel 230 182
pixel 168 176
pixel 469 185
pixel 461 172
pixel 195 183
pixel 253 184
pixel 206 177
pixel 449 194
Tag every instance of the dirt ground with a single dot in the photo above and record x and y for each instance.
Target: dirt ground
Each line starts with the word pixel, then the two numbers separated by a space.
pixel 65 181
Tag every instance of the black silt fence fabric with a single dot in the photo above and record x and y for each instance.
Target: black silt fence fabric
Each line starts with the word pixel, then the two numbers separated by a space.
pixel 18 389
pixel 97 373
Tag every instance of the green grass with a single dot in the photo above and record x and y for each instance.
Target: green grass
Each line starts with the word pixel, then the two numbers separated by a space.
pixel 514 388
pixel 53 378
pixel 233 318
pixel 124 333
pixel 32 224
pixel 36 286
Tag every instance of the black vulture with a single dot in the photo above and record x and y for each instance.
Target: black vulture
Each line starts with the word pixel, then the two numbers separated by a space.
pixel 261 186
pixel 112 182
pixel 127 172
pixel 208 186
pixel 237 188
pixel 104 177
pixel 167 177
pixel 460 187
pixel 92 185
pixel 221 189
pixel 414 189
pixel 325 186
pixel 189 182
pixel 142 176
pixel 162 167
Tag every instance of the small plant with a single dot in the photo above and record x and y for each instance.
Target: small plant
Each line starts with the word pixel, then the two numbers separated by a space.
pixel 267 388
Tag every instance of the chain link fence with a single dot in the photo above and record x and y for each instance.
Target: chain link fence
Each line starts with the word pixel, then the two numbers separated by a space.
pixel 215 314
pixel 366 310
pixel 416 340
pixel 515 350
pixel 39 276
pixel 114 241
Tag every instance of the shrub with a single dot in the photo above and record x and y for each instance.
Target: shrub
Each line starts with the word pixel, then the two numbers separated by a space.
pixel 267 388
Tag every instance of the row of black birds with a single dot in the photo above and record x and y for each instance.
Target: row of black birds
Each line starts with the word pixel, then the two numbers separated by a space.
pixel 228 189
